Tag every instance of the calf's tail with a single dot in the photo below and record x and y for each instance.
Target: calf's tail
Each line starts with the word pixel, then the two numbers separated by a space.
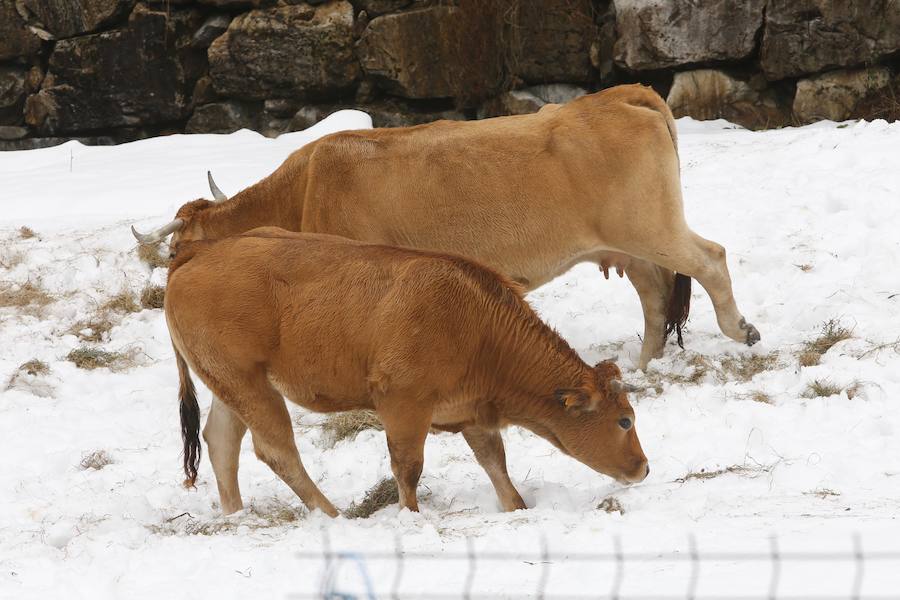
pixel 679 307
pixel 190 421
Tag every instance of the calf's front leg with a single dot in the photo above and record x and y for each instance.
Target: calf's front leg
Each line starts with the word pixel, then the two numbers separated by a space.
pixel 406 430
pixel 487 445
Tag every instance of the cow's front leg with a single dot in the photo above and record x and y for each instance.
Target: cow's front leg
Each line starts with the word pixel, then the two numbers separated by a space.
pixel 406 427
pixel 654 286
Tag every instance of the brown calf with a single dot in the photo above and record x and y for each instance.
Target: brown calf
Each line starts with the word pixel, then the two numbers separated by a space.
pixel 596 180
pixel 423 339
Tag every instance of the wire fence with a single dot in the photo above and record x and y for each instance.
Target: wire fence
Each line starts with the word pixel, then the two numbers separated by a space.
pixel 375 575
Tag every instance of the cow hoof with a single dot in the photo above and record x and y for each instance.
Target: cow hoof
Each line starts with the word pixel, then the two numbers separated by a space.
pixel 752 332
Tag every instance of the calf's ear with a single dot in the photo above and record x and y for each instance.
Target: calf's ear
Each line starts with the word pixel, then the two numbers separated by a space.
pixel 572 399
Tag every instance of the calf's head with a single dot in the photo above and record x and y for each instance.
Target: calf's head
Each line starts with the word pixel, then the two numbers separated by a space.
pixel 596 426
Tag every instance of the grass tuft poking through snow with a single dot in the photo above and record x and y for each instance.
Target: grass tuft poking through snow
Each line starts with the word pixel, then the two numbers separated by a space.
pixel 832 333
pixel 122 302
pixel 347 425
pixel 96 460
pixel 34 368
pixel 151 255
pixel 743 470
pixel 153 296
pixel 89 358
pixel 611 504
pixel 26 233
pixel 384 493
pixel 25 295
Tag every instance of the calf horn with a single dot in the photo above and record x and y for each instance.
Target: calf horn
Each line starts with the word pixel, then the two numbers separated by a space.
pixel 617 386
pixel 158 235
pixel 218 195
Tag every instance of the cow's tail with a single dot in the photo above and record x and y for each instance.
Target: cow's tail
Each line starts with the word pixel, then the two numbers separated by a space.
pixel 190 421
pixel 679 307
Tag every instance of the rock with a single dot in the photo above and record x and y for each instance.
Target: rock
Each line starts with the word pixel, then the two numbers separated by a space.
pixel 9 132
pixel 602 50
pixel 557 93
pixel 12 95
pixel 65 18
pixel 232 4
pixel 529 100
pixel 221 117
pixel 280 107
pixel 212 28
pixel 375 8
pixel 139 75
pixel 554 41
pixel 666 33
pixel 835 95
pixel 807 36
pixel 515 102
pixel 413 54
pixel 399 114
pixel 204 92
pixel 305 118
pixel 15 38
pixel 710 94
pixel 287 51
pixel 33 80
pixel 46 142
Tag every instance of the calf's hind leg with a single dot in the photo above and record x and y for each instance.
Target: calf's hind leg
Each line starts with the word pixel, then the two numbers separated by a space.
pixel 263 410
pixel 223 434
pixel 487 445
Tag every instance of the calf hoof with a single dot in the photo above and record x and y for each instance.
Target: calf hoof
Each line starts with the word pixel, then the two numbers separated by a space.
pixel 752 332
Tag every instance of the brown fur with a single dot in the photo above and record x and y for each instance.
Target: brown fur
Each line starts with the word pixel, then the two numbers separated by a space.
pixel 593 180
pixel 424 339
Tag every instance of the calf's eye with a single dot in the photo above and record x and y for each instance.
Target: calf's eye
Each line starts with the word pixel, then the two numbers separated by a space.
pixel 625 423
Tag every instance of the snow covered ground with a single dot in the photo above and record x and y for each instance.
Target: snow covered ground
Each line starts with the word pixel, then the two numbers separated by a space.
pixel 811 220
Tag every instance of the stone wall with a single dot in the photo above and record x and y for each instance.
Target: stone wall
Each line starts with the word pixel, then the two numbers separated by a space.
pixel 106 71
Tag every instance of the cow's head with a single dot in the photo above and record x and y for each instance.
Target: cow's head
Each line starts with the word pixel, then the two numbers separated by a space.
pixel 186 226
pixel 597 426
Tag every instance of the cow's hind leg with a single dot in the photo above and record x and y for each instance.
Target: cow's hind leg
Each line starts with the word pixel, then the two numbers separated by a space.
pixel 654 285
pixel 406 428
pixel 223 434
pixel 490 454
pixel 694 256
pixel 263 409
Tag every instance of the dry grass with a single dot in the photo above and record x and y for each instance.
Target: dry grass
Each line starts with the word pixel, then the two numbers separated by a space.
pixel 122 302
pixel 271 513
pixel 757 396
pixel 611 504
pixel 34 368
pixel 96 460
pixel 93 329
pixel 750 471
pixel 24 295
pixel 832 333
pixel 88 358
pixel 823 493
pixel 743 367
pixel 10 259
pixel 805 267
pixel 384 493
pixel 153 296
pixel 347 425
pixel 26 233
pixel 152 256
pixel 821 388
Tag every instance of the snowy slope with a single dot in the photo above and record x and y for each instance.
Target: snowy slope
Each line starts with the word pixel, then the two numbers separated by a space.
pixel 810 218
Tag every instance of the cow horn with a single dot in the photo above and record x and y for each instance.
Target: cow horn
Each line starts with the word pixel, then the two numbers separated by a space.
pixel 617 386
pixel 158 235
pixel 216 192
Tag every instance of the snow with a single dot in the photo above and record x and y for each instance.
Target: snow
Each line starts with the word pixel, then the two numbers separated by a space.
pixel 810 219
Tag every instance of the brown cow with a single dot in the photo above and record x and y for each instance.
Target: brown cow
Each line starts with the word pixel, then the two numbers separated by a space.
pixel 594 180
pixel 423 339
